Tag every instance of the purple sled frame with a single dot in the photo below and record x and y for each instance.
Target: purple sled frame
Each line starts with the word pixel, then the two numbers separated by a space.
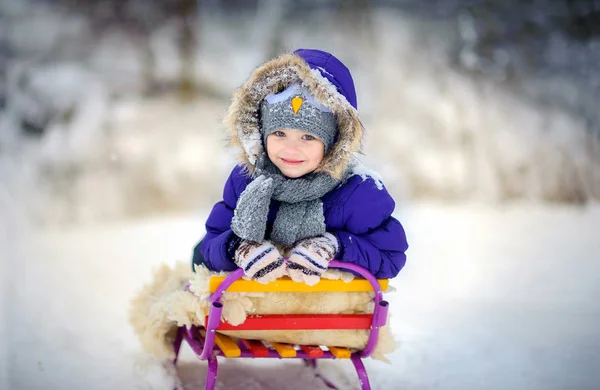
pixel 206 349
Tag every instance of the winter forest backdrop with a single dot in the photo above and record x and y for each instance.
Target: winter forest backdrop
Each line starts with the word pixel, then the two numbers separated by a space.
pixel 112 109
pixel 482 117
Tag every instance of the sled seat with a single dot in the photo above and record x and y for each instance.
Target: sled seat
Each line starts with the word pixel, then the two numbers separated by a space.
pixel 207 343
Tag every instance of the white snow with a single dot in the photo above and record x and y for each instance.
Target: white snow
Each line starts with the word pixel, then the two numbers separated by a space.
pixel 360 169
pixel 490 298
pixel 330 87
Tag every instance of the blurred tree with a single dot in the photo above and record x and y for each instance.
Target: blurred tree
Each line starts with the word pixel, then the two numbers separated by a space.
pixel 583 21
pixel 357 14
pixel 138 18
pixel 355 10
pixel 273 15
pixel 187 46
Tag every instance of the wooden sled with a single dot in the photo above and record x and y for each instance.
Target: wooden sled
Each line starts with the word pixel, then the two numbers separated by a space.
pixel 207 344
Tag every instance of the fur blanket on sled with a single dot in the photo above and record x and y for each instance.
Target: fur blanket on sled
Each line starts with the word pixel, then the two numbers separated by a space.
pixel 163 305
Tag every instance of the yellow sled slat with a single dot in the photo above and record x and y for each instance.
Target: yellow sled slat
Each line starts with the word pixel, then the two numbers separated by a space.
pixel 340 353
pixel 286 284
pixel 227 345
pixel 284 350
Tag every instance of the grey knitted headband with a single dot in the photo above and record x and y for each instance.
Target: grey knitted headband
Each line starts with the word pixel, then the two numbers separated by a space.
pixel 295 108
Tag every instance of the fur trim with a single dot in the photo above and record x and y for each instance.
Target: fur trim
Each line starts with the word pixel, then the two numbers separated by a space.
pixel 242 118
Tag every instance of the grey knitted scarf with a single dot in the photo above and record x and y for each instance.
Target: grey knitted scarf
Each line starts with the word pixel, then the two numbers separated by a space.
pixel 300 214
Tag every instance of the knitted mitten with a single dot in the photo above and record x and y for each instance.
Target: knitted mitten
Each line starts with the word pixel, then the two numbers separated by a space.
pixel 252 209
pixel 310 258
pixel 260 261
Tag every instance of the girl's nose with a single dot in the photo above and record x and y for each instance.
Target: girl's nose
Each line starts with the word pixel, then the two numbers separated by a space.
pixel 292 144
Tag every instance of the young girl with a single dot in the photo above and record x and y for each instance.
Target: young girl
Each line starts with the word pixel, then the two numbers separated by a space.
pixel 294 194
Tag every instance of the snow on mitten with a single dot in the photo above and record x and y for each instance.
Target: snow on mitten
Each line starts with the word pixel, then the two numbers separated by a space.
pixel 252 209
pixel 260 261
pixel 310 258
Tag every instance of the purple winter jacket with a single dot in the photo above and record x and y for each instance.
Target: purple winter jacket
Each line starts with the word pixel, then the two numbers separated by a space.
pixel 357 212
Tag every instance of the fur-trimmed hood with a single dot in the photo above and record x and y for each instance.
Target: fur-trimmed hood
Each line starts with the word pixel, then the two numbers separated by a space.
pixel 243 117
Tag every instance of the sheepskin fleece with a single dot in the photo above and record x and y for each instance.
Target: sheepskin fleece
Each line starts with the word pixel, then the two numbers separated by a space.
pixel 162 306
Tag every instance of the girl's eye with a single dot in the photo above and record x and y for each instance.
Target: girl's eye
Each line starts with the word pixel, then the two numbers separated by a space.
pixel 279 133
pixel 308 137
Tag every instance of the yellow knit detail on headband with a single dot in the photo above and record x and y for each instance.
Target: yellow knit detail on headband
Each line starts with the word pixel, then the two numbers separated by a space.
pixel 296 104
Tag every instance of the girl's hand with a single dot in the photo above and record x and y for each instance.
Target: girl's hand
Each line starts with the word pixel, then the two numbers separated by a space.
pixel 260 261
pixel 310 258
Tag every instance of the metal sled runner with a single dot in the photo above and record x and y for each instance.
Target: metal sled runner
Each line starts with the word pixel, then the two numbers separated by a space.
pixel 207 344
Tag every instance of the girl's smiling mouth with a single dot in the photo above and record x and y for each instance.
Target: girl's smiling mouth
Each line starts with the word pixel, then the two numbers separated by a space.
pixel 292 162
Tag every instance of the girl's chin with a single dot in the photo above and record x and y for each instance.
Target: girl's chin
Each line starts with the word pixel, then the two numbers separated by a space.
pixel 293 173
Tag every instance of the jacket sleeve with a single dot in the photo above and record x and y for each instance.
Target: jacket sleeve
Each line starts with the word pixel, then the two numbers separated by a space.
pixel 218 246
pixel 371 237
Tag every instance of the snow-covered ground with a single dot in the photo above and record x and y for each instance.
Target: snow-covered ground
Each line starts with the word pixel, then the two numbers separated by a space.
pixel 490 299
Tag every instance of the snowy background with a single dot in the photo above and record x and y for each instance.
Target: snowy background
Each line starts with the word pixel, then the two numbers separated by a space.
pixel 481 116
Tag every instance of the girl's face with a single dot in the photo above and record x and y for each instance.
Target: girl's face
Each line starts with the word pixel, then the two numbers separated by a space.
pixel 295 152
